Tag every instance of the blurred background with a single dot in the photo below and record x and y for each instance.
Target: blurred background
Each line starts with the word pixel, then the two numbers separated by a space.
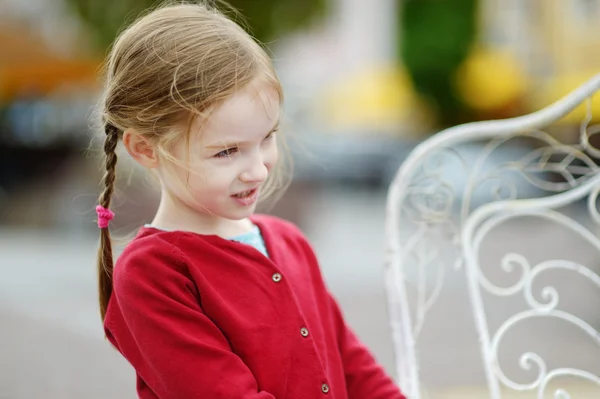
pixel 365 82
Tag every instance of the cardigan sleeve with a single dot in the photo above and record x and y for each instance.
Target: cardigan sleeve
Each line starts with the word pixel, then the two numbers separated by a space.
pixel 174 347
pixel 365 378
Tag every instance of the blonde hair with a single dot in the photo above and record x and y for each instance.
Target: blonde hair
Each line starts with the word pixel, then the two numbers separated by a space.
pixel 176 61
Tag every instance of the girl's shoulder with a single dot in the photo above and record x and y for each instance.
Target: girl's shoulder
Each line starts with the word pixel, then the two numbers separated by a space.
pixel 150 249
pixel 150 239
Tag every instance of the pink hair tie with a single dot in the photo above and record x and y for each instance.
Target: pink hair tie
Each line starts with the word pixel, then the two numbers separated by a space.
pixel 104 216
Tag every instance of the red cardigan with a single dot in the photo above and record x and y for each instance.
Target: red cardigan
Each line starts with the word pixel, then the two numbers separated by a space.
pixel 202 317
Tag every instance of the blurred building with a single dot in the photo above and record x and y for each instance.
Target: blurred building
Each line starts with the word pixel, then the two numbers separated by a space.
pixel 343 75
pixel 549 37
pixel 43 69
pixel 48 85
pixel 555 42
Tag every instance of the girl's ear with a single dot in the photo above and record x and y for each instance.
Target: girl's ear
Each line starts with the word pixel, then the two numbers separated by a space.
pixel 140 149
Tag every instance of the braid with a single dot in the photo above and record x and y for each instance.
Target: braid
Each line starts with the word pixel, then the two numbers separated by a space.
pixel 105 256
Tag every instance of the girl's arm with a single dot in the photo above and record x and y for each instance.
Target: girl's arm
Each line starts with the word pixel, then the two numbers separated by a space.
pixel 365 378
pixel 157 323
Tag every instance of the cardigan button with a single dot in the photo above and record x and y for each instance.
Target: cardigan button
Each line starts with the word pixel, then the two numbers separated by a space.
pixel 304 332
pixel 276 277
pixel 325 388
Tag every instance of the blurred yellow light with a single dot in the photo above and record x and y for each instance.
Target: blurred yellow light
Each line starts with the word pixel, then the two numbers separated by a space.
pixel 377 98
pixel 557 87
pixel 490 79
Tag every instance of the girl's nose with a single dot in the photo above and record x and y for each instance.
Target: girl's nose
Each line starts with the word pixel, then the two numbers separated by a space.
pixel 257 172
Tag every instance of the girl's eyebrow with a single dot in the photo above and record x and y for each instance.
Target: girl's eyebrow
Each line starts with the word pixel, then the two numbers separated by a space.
pixel 237 143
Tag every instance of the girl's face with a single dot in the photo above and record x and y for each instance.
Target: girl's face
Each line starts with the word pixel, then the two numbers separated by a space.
pixel 228 158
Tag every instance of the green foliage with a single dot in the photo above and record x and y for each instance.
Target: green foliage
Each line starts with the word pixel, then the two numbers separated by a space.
pixel 271 19
pixel 435 38
pixel 265 19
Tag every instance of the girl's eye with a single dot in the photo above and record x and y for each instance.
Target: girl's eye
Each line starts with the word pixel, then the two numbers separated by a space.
pixel 226 153
pixel 271 134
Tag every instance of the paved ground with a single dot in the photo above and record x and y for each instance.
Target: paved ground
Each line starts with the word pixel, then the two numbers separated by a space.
pixel 51 343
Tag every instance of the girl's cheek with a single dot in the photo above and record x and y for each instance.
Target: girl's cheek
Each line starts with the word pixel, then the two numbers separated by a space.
pixel 271 157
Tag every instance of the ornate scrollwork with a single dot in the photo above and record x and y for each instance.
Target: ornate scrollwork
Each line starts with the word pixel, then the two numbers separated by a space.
pixel 546 309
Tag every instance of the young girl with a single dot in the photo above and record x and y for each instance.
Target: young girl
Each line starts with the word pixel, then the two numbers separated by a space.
pixel 211 301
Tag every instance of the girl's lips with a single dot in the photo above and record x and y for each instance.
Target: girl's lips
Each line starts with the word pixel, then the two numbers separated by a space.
pixel 249 199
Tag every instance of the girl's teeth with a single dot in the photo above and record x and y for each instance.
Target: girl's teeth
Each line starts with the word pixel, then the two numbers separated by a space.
pixel 244 194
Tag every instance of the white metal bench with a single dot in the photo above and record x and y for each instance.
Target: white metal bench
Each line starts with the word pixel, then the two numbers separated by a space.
pixel 444 208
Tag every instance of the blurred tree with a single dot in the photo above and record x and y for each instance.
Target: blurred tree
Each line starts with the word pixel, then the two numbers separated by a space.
pixel 265 19
pixel 435 38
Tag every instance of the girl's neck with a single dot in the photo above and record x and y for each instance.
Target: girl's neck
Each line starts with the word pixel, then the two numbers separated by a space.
pixel 175 215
